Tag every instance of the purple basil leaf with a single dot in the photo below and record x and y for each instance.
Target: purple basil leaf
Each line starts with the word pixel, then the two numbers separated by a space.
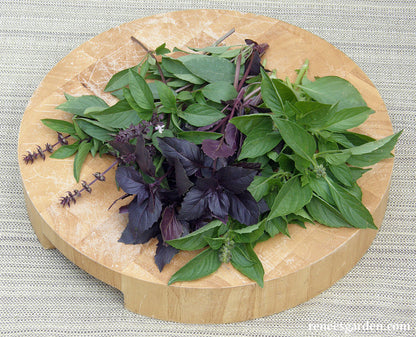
pixel 131 236
pixel 164 254
pixel 219 204
pixel 230 135
pixel 255 64
pixel 186 152
pixel 170 227
pixel 122 147
pixel 143 157
pixel 244 208
pixel 183 184
pixel 193 205
pixel 217 148
pixel 144 213
pixel 209 169
pixel 169 197
pixel 235 179
pixel 131 181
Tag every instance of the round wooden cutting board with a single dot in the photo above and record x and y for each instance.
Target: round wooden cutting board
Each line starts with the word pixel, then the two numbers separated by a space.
pixel 87 233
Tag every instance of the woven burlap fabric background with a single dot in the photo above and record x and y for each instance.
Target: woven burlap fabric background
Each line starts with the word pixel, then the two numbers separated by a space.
pixel 43 294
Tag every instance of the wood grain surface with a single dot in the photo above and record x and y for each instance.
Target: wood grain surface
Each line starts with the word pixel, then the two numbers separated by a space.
pixel 87 233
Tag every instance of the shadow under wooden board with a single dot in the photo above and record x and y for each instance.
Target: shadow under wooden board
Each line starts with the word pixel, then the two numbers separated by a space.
pixel 296 268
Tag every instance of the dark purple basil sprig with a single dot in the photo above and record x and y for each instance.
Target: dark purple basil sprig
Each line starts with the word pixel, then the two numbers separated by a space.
pixel 71 196
pixel 31 156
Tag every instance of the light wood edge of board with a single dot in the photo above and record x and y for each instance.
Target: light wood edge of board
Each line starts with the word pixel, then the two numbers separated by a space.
pixel 219 305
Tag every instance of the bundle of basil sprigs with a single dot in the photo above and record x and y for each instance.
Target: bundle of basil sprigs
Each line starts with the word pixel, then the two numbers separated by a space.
pixel 215 152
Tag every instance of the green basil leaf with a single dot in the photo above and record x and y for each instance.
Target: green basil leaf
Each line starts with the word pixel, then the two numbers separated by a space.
pixel 143 114
pixel 336 158
pixel 83 150
pixel 162 50
pixel 334 90
pixel 196 240
pixel 95 146
pixel 215 243
pixel 65 151
pixel 350 207
pixel 290 198
pixel 342 120
pixel 367 148
pixel 140 91
pixel 197 137
pixel 254 122
pixel 77 105
pixel 297 138
pixel 343 174
pixel 276 225
pixel 166 96
pixel 204 264
pixel 262 185
pixel 119 80
pixel 285 93
pixel 219 91
pixel 245 260
pixel 321 188
pixel 81 134
pixel 270 95
pixel 209 68
pixel 59 125
pixel 258 143
pixel 201 114
pixel 248 234
pixel 326 214
pixel 177 69
pixel 93 130
pixel 118 116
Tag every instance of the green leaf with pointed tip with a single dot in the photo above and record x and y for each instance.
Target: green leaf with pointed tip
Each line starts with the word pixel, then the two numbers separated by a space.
pixel 166 96
pixel 350 207
pixel 162 50
pixel 78 105
pixel 276 226
pixel 65 151
pixel 297 138
pixel 204 264
pixel 209 68
pixel 219 91
pixel 245 260
pixel 334 90
pixel 83 150
pixel 119 80
pixel 140 91
pixel 258 143
pixel 326 214
pixel 254 122
pixel 291 197
pixel 196 240
pixel 177 69
pixel 93 130
pixel 143 114
pixel 201 114
pixel 270 95
pixel 59 125
pixel 119 116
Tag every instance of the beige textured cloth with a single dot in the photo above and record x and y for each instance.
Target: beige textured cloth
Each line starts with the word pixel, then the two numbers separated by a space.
pixel 43 294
